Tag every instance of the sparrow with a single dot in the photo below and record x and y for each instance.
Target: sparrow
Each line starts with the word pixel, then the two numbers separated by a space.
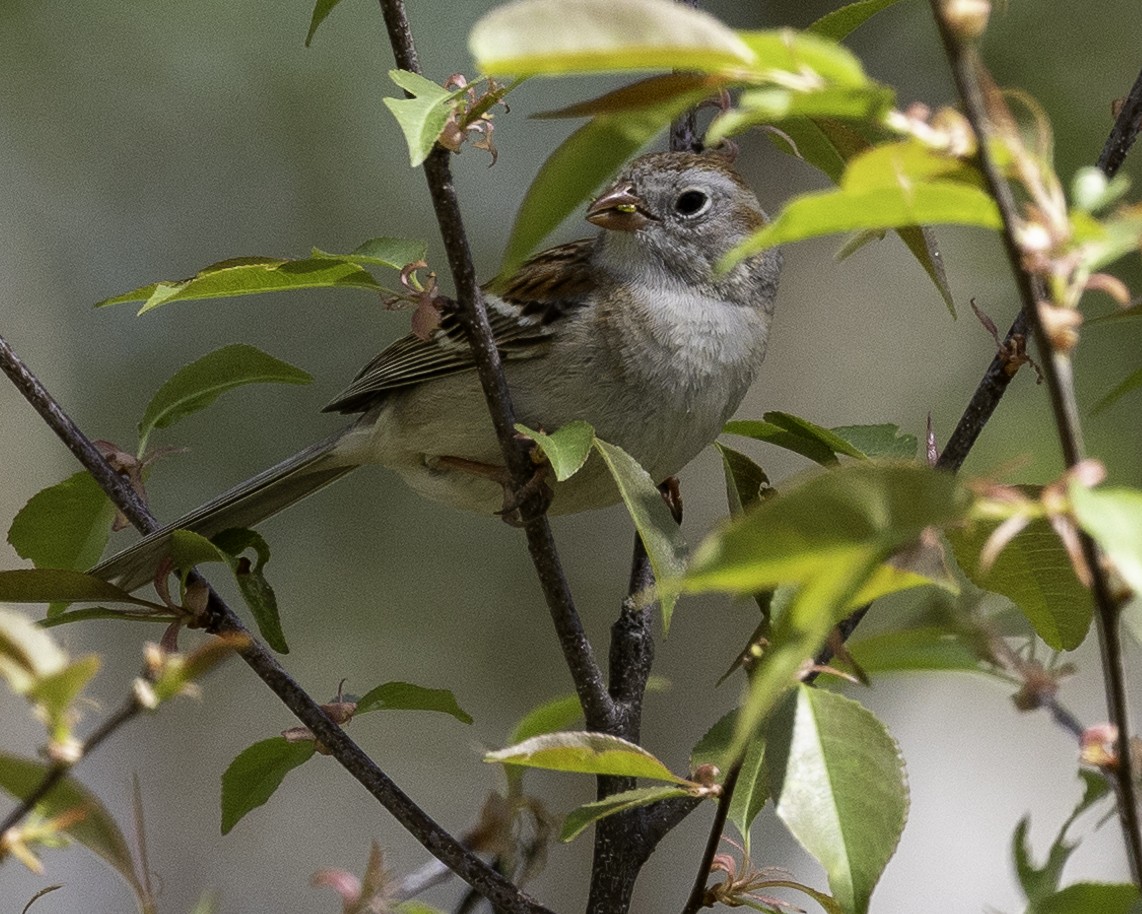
pixel 637 331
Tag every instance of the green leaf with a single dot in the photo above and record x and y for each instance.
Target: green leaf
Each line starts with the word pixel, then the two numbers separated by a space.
pixel 1113 516
pixel 552 37
pixel 557 714
pixel 55 695
pixel 585 753
pixel 251 779
pixel 921 241
pixel 1090 897
pixel 1130 383
pixel 197 385
pixel 581 164
pixel 795 434
pixel 102 612
pixel 60 585
pixel 1035 573
pixel 252 583
pixel 652 519
pixel 861 513
pixel 422 117
pixel 96 831
pixel 752 789
pixel 404 696
pixel 566 449
pixel 839 786
pixel 809 59
pixel 746 482
pixel 320 10
pixel 773 104
pixel 250 276
pixel 829 212
pixel 579 819
pixel 841 22
pixel 917 650
pixel 27 653
pixel 395 253
pixel 65 525
pixel 879 441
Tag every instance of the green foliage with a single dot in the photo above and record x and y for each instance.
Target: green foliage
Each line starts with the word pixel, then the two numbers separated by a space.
pixel 838 784
pixel 52 585
pixel 578 820
pixel 751 792
pixel 841 22
pixel 255 589
pixel 1088 897
pixel 1113 516
pixel 404 696
pixel 195 386
pixel 1041 882
pixel 557 714
pixel 421 117
pixel 321 10
pixel 80 814
pixel 252 276
pixel 65 525
pixel 1034 572
pixel 566 449
pixel 585 753
pixel 251 779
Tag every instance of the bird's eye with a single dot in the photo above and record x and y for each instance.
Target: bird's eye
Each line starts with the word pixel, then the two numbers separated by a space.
pixel 691 202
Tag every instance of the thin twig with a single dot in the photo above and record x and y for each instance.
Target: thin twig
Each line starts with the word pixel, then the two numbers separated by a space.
pixel 415 820
pixel 1125 131
pixel 57 772
pixel 577 651
pixel 1058 376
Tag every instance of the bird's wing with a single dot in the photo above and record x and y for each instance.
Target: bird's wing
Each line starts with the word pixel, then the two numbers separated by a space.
pixel 524 310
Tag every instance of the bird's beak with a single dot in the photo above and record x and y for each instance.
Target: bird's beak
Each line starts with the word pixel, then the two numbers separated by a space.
pixel 619 209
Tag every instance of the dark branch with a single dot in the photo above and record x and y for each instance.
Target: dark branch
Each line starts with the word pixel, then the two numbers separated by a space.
pixel 577 651
pixel 1125 130
pixel 1058 375
pixel 415 820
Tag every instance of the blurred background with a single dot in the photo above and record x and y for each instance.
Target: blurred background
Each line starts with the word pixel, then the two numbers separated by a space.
pixel 143 141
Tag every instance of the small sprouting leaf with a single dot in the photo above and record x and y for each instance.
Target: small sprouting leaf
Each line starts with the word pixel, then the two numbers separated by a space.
pixel 579 819
pixel 197 385
pixel 404 696
pixel 841 22
pixel 879 441
pixel 96 830
pixel 746 482
pixel 251 779
pixel 795 434
pixel 557 714
pixel 321 9
pixel 566 449
pixel 839 786
pixel 65 525
pixel 395 253
pixel 656 527
pixel 422 117
pixel 59 585
pixel 585 753
pixel 1130 383
pixel 256 590
pixel 1034 572
pixel 55 694
pixel 552 37
pixel 250 276
pixel 1085 897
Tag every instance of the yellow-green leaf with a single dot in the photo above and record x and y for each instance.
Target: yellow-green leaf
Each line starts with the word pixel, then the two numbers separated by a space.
pixel 585 753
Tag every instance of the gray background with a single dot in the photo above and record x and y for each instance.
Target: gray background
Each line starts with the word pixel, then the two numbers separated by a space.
pixel 142 141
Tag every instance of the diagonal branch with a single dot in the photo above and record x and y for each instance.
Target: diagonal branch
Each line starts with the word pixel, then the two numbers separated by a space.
pixel 1058 375
pixel 500 891
pixel 1125 131
pixel 588 677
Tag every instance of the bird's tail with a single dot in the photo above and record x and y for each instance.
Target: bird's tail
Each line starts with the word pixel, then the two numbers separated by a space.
pixel 243 506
